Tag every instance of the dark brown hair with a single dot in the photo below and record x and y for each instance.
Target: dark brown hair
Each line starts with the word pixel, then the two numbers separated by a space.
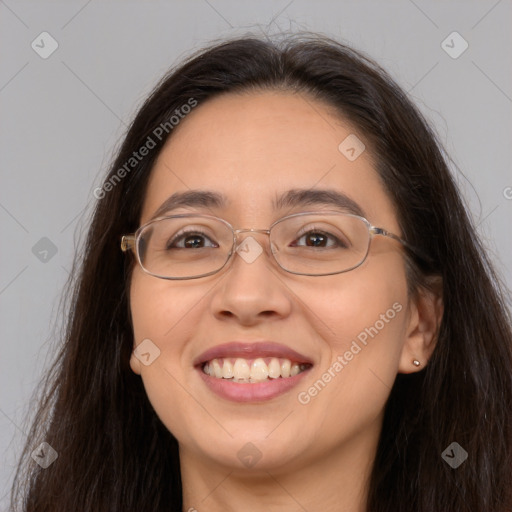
pixel 115 454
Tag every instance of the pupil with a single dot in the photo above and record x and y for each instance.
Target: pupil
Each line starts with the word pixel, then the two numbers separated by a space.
pixel 194 241
pixel 315 240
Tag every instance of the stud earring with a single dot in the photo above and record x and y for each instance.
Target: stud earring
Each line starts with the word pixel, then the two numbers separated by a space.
pixel 415 362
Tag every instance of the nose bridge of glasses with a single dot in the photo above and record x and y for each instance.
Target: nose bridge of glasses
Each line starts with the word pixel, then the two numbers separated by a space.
pixel 250 231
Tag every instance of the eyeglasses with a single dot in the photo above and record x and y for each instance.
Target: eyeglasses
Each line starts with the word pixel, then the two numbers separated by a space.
pixel 190 246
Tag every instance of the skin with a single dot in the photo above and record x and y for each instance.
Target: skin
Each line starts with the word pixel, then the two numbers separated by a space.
pixel 316 456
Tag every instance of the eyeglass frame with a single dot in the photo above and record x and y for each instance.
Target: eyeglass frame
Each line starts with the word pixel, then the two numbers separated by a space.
pixel 131 241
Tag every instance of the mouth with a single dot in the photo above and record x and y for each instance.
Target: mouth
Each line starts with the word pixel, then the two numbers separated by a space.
pixel 249 372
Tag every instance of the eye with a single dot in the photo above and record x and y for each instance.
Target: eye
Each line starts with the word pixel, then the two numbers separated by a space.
pixel 191 239
pixel 318 238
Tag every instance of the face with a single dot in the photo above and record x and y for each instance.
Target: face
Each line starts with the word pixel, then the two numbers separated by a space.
pixel 351 331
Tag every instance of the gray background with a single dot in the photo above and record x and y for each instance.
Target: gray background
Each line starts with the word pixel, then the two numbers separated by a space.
pixel 61 119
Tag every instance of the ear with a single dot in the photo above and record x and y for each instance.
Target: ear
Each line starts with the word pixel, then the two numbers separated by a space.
pixel 135 364
pixel 425 315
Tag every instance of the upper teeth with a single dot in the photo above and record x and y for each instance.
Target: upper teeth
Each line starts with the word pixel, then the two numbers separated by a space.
pixel 244 371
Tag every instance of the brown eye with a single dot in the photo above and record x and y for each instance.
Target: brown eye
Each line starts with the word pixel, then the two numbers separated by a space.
pixel 318 239
pixel 190 240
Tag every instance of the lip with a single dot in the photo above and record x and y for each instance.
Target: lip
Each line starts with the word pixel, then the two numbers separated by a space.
pixel 251 350
pixel 251 392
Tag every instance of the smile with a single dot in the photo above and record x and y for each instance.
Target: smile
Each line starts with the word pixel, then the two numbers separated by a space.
pixel 247 371
pixel 251 371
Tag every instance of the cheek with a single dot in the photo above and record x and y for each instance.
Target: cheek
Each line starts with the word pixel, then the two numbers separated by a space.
pixel 161 310
pixel 363 317
pixel 164 314
pixel 365 303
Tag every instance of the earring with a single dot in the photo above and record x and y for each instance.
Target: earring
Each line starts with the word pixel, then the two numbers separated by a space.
pixel 415 362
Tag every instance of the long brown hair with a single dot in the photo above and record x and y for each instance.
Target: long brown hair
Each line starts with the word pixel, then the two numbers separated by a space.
pixel 114 452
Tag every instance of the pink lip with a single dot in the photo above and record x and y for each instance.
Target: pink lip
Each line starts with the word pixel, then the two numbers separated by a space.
pixel 251 392
pixel 251 351
pixel 255 392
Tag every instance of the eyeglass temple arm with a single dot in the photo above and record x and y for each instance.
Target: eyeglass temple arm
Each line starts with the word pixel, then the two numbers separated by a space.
pixel 417 252
pixel 127 242
pixel 383 232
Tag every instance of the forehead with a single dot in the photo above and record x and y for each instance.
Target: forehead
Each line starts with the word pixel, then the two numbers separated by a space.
pixel 253 147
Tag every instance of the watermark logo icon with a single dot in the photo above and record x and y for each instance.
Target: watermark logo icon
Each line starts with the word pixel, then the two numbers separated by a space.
pixel 44 455
pixel 454 455
pixel 146 352
pixel 44 250
pixel 454 45
pixel 351 147
pixel 249 455
pixel 249 249
pixel 44 45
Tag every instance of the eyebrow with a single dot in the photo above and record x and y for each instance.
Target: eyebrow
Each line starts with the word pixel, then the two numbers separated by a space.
pixel 318 197
pixel 203 199
pixel 294 198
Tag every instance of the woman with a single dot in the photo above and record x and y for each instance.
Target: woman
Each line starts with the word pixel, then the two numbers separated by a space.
pixel 282 305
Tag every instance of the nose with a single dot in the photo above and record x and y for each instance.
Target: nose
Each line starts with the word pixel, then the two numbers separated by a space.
pixel 251 288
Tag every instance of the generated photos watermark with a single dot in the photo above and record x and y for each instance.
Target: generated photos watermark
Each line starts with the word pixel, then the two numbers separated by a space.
pixel 162 130
pixel 44 455
pixel 454 455
pixel 342 360
pixel 146 352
